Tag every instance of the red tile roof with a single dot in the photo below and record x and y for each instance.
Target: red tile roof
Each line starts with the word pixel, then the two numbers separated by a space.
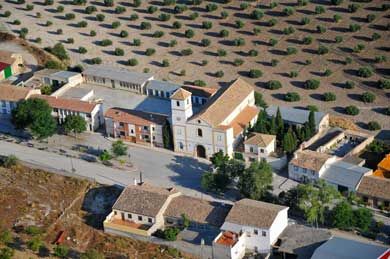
pixel 135 117
pixel 3 66
pixel 13 93
pixel 68 104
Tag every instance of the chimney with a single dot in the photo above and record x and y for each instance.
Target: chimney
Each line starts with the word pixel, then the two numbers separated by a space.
pixel 140 178
pixel 295 155
pixel 135 181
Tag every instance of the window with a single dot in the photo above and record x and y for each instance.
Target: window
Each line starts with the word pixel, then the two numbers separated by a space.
pixel 140 218
pixel 150 220
pixel 145 127
pixel 312 172
pixel 115 213
pixel 261 150
pixel 178 131
pixel 188 101
pixel 304 170
pixel 177 103
pixel 121 124
pixel 199 122
pixel 219 138
pixel 129 216
pixel 132 131
pixel 200 133
pixel 251 149
pixel 263 233
pixel 178 118
pixel 153 129
pixel 296 168
pixel 181 145
pixel 255 232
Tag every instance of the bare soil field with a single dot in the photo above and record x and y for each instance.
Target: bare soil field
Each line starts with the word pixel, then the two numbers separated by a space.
pixel 355 46
pixel 56 203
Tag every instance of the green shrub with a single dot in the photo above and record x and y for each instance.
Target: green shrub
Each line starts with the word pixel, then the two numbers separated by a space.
pixel 221 53
pixel 319 9
pixel 305 20
pixel 123 34
pixel 96 61
pixel 186 52
pixel 105 42
pixel 61 251
pixel 5 237
pixel 244 6
pixel 207 25
pixel 253 53
pixel 115 24
pixel 384 83
pixel 173 43
pixel 92 254
pixel 29 7
pixel 205 42
pixel 337 18
pixel 322 50
pixel 165 63
pixel 329 97
pixel 92 33
pixel 293 74
pixel 302 2
pixel 274 85
pixel 365 72
pixel 224 33
pixel 193 16
pixel 257 14
pixel 150 51
pixel 373 125
pixel 368 97
pixel 132 62
pixel 292 97
pixel 354 27
pixel 189 34
pixel 181 8
pixel 211 7
pixel 60 9
pixel 312 84
pixel 105 156
pixel 48 2
pixel 272 22
pixel 321 29
pixel 70 16
pixel 307 40
pixel 108 3
pixel 289 30
pixel 82 50
pixel 79 2
pixel 16 22
pixel 219 74
pixel 120 9
pixel 336 2
pixel 312 108
pixel 100 17
pixel 164 17
pixel 119 52
pixel 273 42
pixel 239 42
pixel 352 110
pixel 170 234
pixel 158 34
pixel 137 42
pixel 35 243
pixel 338 39
pixel 274 62
pixel 380 59
pixel 255 73
pixel 375 36
pixel 349 85
pixel 90 9
pixel 352 8
pixel 199 83
pixel 133 17
pixel 291 51
pixel 224 14
pixel 238 62
pixel 328 72
pixel 145 26
pixel 288 11
pixel 239 24
pixel 256 30
pixel 6 253
pixel 176 25
pixel 82 24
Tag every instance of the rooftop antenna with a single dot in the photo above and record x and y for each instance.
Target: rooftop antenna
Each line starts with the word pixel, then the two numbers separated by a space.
pixel 140 178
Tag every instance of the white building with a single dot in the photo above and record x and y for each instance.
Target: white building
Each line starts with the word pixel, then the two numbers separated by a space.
pixel 250 226
pixel 92 112
pixel 218 126
pixel 11 95
pixel 310 166
pixel 258 146
pixel 117 78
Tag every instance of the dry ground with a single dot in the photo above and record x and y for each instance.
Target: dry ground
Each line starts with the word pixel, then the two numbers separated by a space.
pixel 56 203
pixel 334 60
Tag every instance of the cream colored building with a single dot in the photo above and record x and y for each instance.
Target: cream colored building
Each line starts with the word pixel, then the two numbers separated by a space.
pixel 218 126
pixel 258 146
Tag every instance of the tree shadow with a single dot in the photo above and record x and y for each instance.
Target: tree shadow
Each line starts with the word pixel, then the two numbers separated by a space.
pixel 362 38
pixel 299 84
pixel 318 97
pixel 355 97
pixel 325 19
pixel 338 9
pixel 279 96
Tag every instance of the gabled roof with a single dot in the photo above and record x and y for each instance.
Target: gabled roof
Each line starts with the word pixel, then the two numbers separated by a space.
pixel 247 212
pixel 3 66
pixel 259 139
pixel 116 73
pixel 310 159
pixel 223 103
pixel 241 120
pixel 293 115
pixel 162 85
pixel 68 104
pixel 198 210
pixel 375 187
pixel 65 74
pixel 13 93
pixel 135 116
pixel 385 163
pixel 180 94
pixel 143 199
pixel 345 174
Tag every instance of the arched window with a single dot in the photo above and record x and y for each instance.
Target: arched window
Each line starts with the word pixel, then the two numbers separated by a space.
pixel 200 133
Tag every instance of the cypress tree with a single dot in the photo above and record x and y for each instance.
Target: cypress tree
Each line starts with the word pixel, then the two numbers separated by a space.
pixel 312 123
pixel 262 123
pixel 167 136
pixel 279 125
pixel 289 141
pixel 272 126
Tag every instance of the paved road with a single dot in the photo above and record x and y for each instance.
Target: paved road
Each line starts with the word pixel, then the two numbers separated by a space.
pixel 159 168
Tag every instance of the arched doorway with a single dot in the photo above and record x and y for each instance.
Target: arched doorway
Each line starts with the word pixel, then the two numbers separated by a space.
pixel 200 151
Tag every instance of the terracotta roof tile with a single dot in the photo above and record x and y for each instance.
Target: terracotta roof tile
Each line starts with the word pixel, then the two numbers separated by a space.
pixel 205 92
pixel 13 93
pixel 198 210
pixel 180 94
pixel 223 103
pixel 242 120
pixel 385 163
pixel 375 187
pixel 261 140
pixel 68 104
pixel 310 159
pixel 254 213
pixel 135 117
pixel 143 199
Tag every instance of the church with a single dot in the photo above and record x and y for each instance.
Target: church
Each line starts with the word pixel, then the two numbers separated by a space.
pixel 219 124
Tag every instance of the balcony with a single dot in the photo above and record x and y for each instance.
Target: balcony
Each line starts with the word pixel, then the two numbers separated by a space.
pixel 115 223
pixel 227 238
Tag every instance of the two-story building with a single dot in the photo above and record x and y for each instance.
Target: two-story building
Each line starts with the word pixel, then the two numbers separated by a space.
pixel 135 126
pixel 11 95
pixel 92 112
pixel 258 146
pixel 250 226
pixel 218 126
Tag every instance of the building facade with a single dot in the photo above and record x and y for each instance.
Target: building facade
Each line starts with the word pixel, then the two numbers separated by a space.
pixel 10 64
pixel 117 78
pixel 258 146
pixel 11 95
pixel 135 126
pixel 92 112
pixel 218 126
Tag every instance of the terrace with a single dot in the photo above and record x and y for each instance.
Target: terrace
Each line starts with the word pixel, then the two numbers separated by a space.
pixel 227 238
pixel 115 223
